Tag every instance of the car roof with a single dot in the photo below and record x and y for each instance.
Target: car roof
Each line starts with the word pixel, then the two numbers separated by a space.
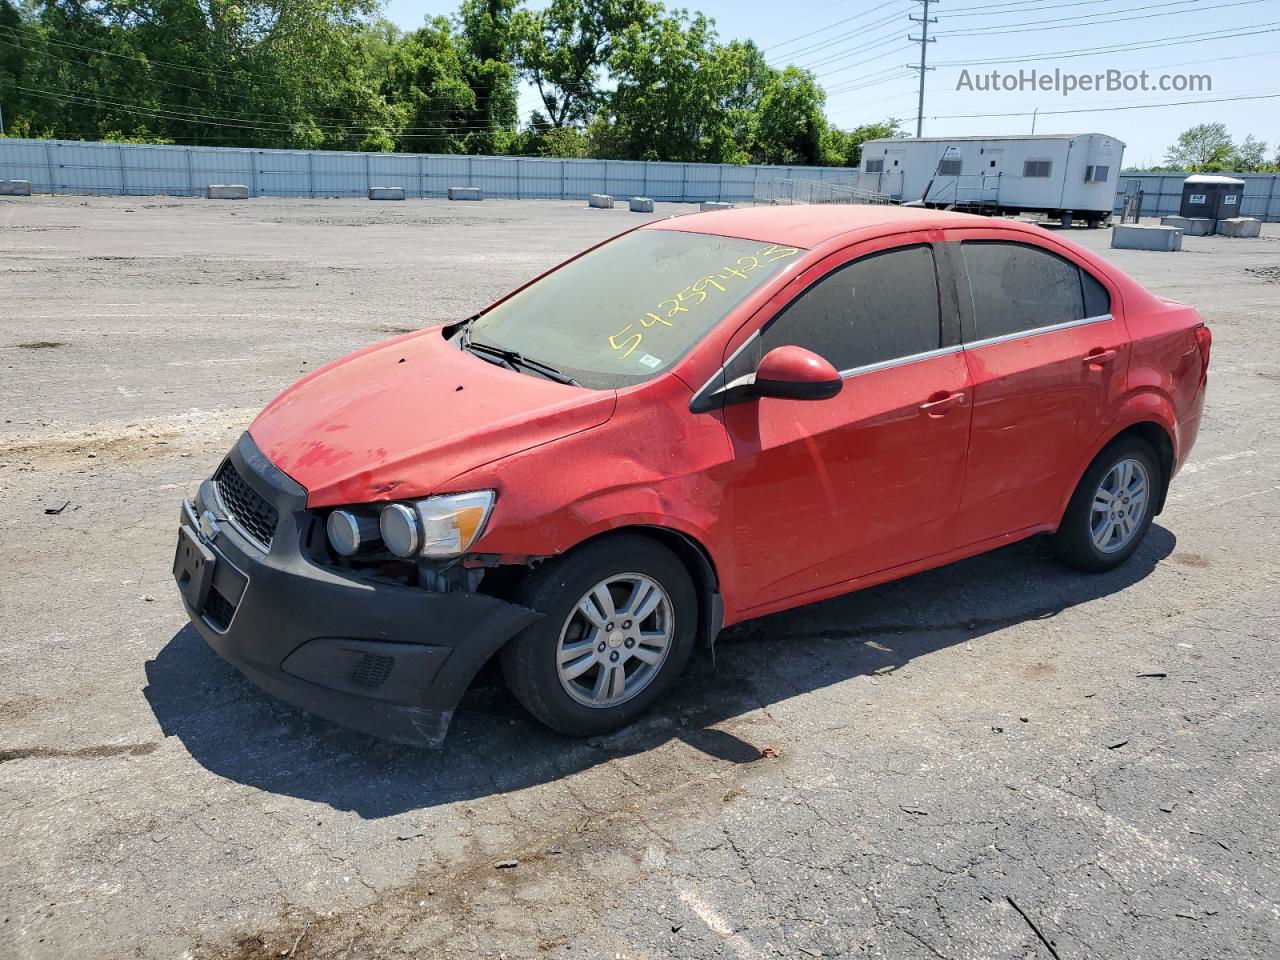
pixel 809 225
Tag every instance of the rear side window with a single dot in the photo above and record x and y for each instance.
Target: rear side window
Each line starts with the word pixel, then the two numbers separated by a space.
pixel 1097 302
pixel 881 307
pixel 1016 287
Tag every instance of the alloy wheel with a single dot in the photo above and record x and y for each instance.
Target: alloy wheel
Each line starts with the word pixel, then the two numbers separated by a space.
pixel 1119 505
pixel 615 641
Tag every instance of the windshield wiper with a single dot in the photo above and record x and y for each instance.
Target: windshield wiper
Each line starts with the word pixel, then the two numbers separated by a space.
pixel 513 358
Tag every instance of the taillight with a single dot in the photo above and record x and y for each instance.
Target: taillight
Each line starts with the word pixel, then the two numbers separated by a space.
pixel 1204 340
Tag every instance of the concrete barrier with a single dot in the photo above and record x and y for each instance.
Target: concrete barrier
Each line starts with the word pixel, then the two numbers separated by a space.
pixel 708 205
pixel 386 193
pixel 1247 227
pixel 465 193
pixel 601 200
pixel 1190 226
pixel 641 205
pixel 227 191
pixel 1132 236
pixel 15 188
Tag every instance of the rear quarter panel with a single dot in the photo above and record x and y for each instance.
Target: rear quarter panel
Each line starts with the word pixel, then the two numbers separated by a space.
pixel 1167 372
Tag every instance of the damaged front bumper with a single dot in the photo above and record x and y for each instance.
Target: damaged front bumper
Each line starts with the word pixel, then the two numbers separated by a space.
pixel 380 657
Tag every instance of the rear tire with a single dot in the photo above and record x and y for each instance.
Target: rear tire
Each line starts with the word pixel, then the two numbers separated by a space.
pixel 619 620
pixel 1112 508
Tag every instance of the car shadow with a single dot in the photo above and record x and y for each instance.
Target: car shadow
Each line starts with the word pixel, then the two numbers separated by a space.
pixel 238 732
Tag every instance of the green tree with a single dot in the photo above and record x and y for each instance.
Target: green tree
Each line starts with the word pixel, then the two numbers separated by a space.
pixel 485 28
pixel 790 123
pixel 1202 147
pixel 844 148
pixel 669 84
pixel 563 48
pixel 1250 154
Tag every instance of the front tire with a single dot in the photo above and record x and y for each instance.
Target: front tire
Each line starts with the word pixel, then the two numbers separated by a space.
pixel 619 620
pixel 1112 508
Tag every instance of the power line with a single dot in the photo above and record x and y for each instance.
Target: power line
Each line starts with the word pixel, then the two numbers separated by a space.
pixel 871 44
pixel 1270 27
pixel 1065 23
pixel 861 33
pixel 1136 106
pixel 443 129
pixel 822 29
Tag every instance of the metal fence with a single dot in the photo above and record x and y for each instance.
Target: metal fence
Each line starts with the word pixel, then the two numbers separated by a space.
pixel 77 167
pixel 786 191
pixel 1162 194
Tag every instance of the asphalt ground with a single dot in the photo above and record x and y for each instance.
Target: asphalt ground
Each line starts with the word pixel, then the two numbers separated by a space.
pixel 1001 758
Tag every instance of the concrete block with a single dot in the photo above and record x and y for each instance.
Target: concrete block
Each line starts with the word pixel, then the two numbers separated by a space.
pixel 228 191
pixel 707 205
pixel 601 200
pixel 1240 227
pixel 465 193
pixel 1132 236
pixel 641 205
pixel 15 188
pixel 386 193
pixel 1190 226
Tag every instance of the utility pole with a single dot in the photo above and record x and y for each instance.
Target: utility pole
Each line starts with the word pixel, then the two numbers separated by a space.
pixel 924 40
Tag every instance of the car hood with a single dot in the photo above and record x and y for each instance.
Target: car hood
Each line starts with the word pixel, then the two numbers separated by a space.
pixel 402 418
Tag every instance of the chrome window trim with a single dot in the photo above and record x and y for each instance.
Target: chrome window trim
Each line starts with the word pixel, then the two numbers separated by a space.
pixel 898 361
pixel 1035 332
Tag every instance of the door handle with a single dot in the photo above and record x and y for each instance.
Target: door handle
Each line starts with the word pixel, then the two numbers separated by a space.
pixel 940 403
pixel 1097 357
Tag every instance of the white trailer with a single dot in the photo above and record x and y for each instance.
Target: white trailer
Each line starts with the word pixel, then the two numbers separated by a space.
pixel 1067 176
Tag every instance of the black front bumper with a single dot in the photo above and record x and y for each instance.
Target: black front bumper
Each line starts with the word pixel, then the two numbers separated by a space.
pixel 386 659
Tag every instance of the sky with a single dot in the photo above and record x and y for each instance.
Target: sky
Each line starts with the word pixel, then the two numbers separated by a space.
pixel 858 51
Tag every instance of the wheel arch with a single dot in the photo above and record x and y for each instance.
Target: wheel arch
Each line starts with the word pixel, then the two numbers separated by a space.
pixel 696 559
pixel 691 553
pixel 1154 433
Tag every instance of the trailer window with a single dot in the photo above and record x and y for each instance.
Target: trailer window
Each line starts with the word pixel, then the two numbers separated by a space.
pixel 1037 168
pixel 875 166
pixel 949 168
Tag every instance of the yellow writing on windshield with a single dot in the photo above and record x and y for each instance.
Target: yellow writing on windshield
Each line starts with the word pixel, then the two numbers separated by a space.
pixel 665 311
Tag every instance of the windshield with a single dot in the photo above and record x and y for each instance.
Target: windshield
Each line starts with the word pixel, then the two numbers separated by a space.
pixel 632 307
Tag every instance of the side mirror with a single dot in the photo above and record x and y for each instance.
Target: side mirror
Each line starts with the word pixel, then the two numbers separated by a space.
pixel 794 373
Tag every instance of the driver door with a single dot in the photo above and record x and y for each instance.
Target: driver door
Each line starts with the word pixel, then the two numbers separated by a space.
pixel 824 492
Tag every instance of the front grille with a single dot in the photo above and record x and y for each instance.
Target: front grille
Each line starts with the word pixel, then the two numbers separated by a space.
pixel 372 670
pixel 245 505
pixel 218 610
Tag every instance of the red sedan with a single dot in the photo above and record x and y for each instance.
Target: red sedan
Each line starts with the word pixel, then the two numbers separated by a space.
pixel 703 420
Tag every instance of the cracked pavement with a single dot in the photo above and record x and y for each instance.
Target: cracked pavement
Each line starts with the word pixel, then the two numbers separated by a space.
pixel 998 759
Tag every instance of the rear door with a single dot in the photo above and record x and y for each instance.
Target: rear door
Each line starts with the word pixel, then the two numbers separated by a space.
pixel 821 492
pixel 1048 362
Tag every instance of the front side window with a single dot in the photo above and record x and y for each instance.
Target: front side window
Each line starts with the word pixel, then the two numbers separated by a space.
pixel 949 168
pixel 1037 168
pixel 631 308
pixel 881 307
pixel 875 166
pixel 1016 287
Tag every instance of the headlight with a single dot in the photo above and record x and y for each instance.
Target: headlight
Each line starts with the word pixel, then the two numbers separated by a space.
pixel 444 526
pixel 350 533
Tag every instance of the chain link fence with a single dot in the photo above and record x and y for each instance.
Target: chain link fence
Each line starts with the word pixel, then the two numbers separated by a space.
pixel 773 191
